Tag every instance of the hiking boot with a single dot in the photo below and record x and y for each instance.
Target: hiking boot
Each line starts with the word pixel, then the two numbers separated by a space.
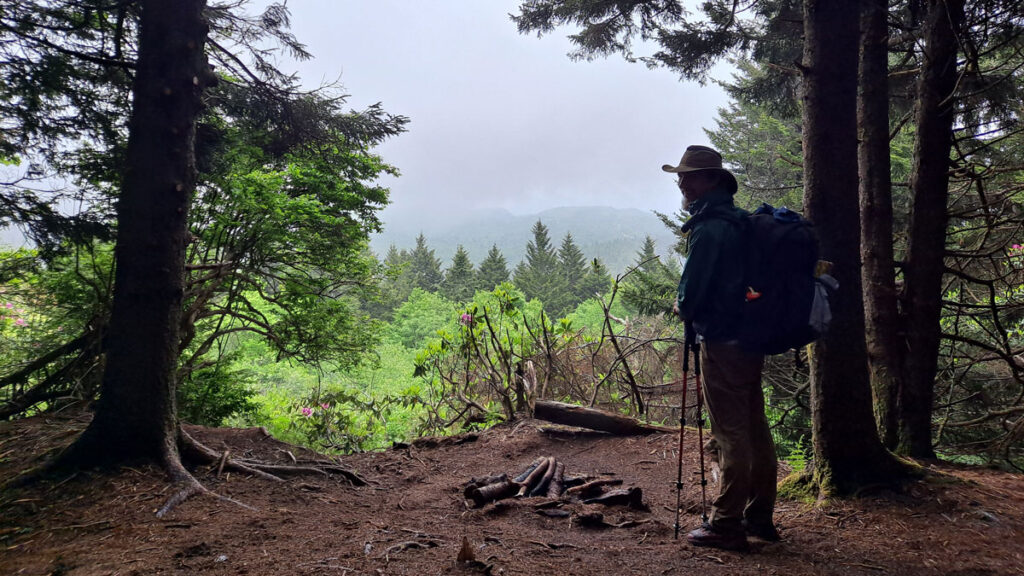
pixel 762 530
pixel 708 535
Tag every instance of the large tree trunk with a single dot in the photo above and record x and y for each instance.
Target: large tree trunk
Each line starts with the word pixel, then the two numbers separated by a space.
pixel 136 416
pixel 929 186
pixel 847 451
pixel 883 335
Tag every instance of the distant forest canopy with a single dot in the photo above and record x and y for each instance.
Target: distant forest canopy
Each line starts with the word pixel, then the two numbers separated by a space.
pixel 614 235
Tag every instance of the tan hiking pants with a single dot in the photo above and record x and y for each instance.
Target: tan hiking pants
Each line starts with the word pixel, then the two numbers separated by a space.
pixel 732 392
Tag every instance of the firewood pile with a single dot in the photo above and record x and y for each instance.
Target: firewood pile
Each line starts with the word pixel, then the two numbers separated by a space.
pixel 546 478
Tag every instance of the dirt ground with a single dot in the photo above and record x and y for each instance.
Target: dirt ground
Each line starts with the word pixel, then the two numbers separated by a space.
pixel 412 517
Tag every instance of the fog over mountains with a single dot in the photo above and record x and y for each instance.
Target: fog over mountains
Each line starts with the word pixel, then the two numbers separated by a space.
pixel 615 235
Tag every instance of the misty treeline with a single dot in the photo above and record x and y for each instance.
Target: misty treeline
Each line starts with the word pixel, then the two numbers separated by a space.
pixel 560 277
pixel 182 207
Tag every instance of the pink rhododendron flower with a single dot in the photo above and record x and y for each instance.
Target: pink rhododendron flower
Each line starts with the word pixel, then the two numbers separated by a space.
pixel 307 411
pixel 20 321
pixel 325 406
pixel 9 306
pixel 1017 246
pixel 466 319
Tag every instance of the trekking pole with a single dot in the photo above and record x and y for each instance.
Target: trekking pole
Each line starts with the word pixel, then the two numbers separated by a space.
pixel 682 422
pixel 700 431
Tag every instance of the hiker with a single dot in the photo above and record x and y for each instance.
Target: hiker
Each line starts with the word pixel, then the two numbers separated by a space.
pixel 709 297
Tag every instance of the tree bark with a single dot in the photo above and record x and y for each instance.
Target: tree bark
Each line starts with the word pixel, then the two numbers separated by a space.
pixel 847 451
pixel 136 414
pixel 926 244
pixel 885 347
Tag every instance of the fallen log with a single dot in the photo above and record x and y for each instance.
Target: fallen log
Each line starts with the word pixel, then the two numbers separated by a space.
pixel 593 419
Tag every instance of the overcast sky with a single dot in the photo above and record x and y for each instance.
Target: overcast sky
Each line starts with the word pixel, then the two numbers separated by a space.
pixel 500 119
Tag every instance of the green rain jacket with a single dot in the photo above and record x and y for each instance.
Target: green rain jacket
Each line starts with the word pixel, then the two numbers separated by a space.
pixel 711 290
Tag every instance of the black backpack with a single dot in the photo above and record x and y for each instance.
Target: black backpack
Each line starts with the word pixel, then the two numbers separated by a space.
pixel 786 304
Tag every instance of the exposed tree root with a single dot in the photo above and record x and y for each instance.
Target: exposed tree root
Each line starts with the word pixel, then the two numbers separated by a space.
pixel 83 455
pixel 195 450
pixel 187 486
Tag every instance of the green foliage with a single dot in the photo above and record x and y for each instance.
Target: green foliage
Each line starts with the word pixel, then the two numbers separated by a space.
pixel 798 455
pixel 280 219
pixel 47 309
pixel 424 266
pixel 540 276
pixel 573 267
pixel 596 281
pixel 588 317
pixel 459 282
pixel 368 406
pixel 650 288
pixel 421 317
pixel 394 287
pixel 478 365
pixel 282 225
pixel 762 147
pixel 493 270
pixel 211 395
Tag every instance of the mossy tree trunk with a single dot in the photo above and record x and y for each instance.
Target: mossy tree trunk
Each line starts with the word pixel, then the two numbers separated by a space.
pixel 885 347
pixel 926 243
pixel 135 418
pixel 847 450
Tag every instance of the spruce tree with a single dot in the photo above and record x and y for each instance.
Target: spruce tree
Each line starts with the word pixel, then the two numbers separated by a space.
pixel 596 281
pixel 459 281
pixel 651 287
pixel 395 285
pixel 493 270
pixel 539 275
pixel 424 266
pixel 573 267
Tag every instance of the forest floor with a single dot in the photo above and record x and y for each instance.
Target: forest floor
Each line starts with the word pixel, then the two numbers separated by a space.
pixel 412 517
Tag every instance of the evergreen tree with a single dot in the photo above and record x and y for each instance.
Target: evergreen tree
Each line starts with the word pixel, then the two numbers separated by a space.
pixel 840 391
pixel 647 257
pixel 424 266
pixel 539 276
pixel 395 285
pixel 459 280
pixel 596 281
pixel 136 417
pixel 493 270
pixel 651 287
pixel 574 267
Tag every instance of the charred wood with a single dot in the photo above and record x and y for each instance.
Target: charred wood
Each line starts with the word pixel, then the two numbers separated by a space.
pixel 492 492
pixel 555 488
pixel 534 477
pixel 541 489
pixel 592 487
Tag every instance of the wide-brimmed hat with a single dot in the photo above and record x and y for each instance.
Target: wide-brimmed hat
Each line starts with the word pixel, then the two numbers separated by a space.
pixel 697 158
